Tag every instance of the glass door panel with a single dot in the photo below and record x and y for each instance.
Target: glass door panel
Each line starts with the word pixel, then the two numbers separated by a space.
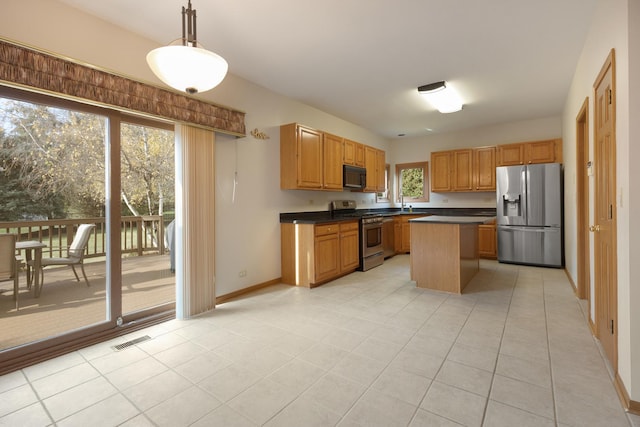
pixel 148 200
pixel 52 190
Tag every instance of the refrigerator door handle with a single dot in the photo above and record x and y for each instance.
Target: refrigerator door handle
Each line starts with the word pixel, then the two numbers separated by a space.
pixel 512 229
pixel 524 189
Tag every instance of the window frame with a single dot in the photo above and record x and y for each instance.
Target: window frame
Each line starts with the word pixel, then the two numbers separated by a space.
pixel 424 165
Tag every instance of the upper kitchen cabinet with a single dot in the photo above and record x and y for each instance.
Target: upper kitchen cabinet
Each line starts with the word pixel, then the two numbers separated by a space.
pixel 484 167
pixel 547 151
pixel 353 153
pixel 462 171
pixel 333 148
pixel 468 169
pixel 441 171
pixel 374 161
pixel 309 159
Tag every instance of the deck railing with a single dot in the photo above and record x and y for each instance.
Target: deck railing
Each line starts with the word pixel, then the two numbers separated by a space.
pixel 139 234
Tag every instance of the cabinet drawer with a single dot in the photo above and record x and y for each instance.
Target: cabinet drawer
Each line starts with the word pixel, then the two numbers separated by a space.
pixel 348 226
pixel 321 230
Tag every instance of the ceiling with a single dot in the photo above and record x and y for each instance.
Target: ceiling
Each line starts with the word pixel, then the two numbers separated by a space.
pixel 362 60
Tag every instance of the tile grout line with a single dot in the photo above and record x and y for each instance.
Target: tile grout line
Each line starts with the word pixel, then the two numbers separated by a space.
pixel 546 327
pixel 495 365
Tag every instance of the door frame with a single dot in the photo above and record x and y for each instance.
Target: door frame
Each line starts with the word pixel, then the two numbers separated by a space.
pixel 583 289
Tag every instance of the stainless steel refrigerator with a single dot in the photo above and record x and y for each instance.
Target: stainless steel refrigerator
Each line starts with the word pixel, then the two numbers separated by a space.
pixel 529 214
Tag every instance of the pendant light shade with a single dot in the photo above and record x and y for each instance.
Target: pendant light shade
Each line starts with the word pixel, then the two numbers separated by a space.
pixel 184 64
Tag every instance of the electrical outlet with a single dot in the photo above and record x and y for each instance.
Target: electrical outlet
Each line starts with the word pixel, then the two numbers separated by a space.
pixel 445 200
pixel 310 201
pixel 242 273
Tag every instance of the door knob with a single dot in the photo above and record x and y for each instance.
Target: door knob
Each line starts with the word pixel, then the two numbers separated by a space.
pixel 594 228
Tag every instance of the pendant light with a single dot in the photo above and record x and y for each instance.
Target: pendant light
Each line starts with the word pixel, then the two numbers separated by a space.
pixel 184 64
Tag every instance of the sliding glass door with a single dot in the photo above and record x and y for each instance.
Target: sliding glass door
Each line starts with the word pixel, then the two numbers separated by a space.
pixel 89 193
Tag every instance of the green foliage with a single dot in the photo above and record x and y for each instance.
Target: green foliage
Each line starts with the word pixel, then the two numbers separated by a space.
pixel 52 163
pixel 412 181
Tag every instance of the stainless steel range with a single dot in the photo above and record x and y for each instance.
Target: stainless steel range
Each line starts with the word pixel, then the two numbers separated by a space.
pixel 371 250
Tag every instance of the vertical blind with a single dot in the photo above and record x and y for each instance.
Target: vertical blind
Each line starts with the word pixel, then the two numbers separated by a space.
pixel 198 207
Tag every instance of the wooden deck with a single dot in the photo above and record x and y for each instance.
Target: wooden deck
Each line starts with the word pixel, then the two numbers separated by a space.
pixel 65 304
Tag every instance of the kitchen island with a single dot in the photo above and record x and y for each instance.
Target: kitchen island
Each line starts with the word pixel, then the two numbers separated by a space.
pixel 444 251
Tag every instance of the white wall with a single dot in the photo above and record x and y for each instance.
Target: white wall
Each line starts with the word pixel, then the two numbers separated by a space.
pixel 420 148
pixel 611 28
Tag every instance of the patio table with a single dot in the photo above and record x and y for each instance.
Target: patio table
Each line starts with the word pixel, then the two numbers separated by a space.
pixel 33 251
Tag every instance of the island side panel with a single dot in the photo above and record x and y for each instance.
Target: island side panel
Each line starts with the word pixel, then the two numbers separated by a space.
pixel 435 256
pixel 469 258
pixel 297 245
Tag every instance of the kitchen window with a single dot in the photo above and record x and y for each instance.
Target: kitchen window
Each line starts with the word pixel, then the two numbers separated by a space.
pixel 412 181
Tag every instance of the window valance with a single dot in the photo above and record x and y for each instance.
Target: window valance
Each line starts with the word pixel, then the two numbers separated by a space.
pixel 26 66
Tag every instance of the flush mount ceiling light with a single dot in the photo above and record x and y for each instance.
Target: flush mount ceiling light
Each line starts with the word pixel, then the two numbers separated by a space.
pixel 442 96
pixel 184 64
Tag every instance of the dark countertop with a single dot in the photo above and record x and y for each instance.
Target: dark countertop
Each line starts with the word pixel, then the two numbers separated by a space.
pixel 439 219
pixel 319 217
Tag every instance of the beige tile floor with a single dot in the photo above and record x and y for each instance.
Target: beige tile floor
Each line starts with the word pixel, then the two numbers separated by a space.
pixel 366 350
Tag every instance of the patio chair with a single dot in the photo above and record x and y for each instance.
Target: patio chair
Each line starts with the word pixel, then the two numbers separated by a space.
pixel 9 263
pixel 75 254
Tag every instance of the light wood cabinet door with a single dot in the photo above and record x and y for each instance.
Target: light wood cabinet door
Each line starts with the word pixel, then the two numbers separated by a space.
pixel 462 174
pixel 510 154
pixel 370 162
pixel 353 153
pixel 405 232
pixel 333 151
pixel 309 165
pixel 349 153
pixel 327 255
pixel 380 171
pixel 300 157
pixel 487 242
pixel 349 246
pixel 359 150
pixel 540 152
pixel 441 171
pixel 397 234
pixel 485 168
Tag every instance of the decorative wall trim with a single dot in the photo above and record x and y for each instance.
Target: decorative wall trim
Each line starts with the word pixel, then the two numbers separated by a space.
pixel 29 67
pixel 628 404
pixel 573 285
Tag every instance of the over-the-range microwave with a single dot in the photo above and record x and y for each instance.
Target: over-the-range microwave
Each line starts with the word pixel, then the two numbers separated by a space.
pixel 354 177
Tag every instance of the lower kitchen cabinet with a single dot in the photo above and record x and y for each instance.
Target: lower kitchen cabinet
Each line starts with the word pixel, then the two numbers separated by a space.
pixel 402 233
pixel 349 246
pixel 314 254
pixel 487 241
pixel 327 252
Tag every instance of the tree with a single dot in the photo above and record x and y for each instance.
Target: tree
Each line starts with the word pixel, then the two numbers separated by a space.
pixel 53 163
pixel 412 183
pixel 147 159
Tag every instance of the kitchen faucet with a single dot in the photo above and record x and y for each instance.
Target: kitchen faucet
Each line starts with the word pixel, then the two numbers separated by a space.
pixel 401 202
